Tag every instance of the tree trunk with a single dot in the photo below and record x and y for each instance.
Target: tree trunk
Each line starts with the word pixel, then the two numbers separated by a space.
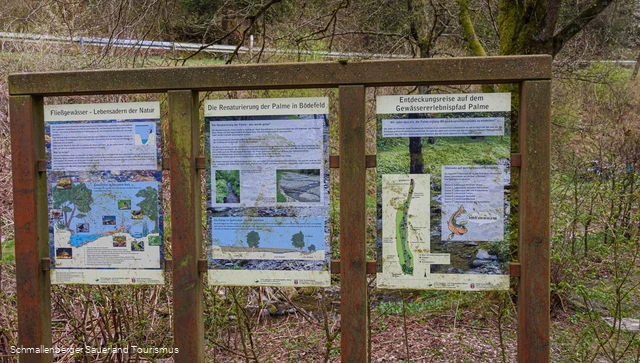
pixel 68 223
pixel 472 38
pixel 415 153
pixel 529 27
pixel 526 27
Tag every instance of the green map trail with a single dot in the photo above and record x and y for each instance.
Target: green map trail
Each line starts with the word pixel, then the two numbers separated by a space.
pixel 402 233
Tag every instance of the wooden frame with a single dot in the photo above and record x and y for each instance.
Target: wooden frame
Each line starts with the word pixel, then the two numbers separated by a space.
pixel 531 73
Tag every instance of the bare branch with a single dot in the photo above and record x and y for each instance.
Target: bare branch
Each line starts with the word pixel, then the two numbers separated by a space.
pixel 251 18
pixel 578 23
pixel 332 21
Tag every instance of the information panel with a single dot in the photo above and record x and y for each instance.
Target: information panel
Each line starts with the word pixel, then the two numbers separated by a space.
pixel 268 191
pixel 104 179
pixel 443 183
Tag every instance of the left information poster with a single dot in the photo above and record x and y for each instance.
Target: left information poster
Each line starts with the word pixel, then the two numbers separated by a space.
pixel 104 179
pixel 268 191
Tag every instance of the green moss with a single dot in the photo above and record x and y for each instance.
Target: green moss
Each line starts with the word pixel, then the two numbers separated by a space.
pixel 469 31
pixel 507 25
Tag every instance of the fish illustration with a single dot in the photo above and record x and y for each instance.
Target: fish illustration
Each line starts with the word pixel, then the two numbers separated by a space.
pixel 457 227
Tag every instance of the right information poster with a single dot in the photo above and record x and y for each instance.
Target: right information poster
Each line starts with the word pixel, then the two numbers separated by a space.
pixel 443 166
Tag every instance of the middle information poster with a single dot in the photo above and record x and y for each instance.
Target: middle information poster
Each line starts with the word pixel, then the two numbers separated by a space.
pixel 443 183
pixel 268 191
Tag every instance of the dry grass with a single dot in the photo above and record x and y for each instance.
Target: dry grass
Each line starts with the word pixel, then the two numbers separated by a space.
pixel 6 195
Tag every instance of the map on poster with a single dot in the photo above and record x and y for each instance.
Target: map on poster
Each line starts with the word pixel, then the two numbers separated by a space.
pixel 268 191
pixel 443 183
pixel 104 180
pixel 405 239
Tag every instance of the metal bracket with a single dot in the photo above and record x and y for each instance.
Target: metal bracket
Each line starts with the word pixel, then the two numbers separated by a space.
pixel 516 160
pixel 45 264
pixel 514 269
pixel 41 165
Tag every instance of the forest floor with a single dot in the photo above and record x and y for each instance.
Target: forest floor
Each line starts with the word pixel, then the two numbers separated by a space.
pixel 434 339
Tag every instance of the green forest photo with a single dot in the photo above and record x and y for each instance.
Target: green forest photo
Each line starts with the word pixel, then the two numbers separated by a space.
pixel 227 186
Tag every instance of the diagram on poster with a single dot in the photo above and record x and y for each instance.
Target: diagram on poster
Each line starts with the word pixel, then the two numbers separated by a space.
pixel 443 221
pixel 472 203
pixel 268 185
pixel 104 181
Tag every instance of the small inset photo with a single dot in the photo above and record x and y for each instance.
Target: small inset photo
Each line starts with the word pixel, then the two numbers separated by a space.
pixel 119 241
pixel 298 185
pixel 82 228
pixel 136 214
pixel 155 241
pixel 55 214
pixel 137 245
pixel 63 183
pixel 145 134
pixel 64 253
pixel 227 186
pixel 124 204
pixel 109 220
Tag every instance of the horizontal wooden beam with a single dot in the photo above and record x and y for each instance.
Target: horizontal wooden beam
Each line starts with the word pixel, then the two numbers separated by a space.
pixel 371 267
pixel 203 266
pixel 200 163
pixel 371 161
pixel 379 73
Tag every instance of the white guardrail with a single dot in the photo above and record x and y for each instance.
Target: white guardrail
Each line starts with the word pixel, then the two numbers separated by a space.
pixel 179 46
pixel 215 48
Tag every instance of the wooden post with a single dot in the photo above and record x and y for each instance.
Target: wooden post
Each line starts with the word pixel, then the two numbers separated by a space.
pixel 534 193
pixel 31 226
pixel 353 263
pixel 186 226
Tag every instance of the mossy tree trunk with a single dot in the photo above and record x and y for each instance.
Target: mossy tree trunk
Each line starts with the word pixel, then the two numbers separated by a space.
pixel 526 27
pixel 530 27
pixel 426 23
